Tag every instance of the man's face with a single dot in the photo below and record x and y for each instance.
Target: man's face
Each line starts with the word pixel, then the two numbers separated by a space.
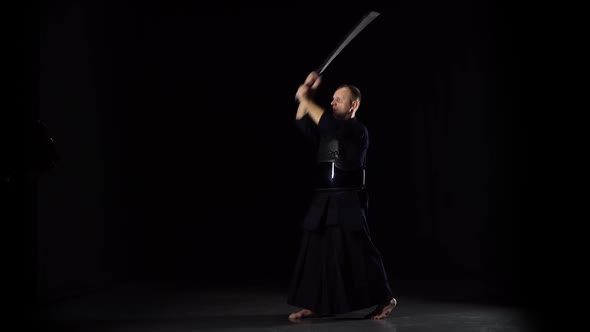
pixel 342 104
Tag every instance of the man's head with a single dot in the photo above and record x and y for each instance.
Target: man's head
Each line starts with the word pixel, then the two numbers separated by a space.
pixel 346 101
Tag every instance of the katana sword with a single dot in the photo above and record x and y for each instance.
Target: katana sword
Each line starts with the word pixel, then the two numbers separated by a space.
pixel 368 18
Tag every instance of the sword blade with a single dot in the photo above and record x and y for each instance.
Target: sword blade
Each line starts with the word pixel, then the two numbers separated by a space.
pixel 368 18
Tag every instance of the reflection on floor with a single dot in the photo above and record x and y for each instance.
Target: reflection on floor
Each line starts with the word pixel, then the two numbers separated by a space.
pixel 149 307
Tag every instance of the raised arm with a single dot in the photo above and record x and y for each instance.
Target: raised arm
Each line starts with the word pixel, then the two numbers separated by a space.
pixel 304 95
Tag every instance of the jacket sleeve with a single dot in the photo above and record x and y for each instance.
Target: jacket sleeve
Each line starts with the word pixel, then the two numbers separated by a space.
pixel 307 128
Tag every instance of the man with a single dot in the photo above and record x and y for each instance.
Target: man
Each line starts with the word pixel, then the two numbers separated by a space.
pixel 338 269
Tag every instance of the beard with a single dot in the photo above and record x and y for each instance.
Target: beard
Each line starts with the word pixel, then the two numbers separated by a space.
pixel 339 114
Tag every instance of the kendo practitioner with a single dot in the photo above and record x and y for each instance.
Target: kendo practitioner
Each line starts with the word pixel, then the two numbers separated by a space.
pixel 338 269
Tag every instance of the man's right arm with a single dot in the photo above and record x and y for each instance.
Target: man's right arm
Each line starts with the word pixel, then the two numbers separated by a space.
pixel 301 112
pixel 307 105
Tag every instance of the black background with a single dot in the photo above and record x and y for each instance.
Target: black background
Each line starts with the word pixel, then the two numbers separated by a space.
pixel 179 160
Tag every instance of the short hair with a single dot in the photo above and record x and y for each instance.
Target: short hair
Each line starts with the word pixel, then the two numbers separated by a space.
pixel 354 91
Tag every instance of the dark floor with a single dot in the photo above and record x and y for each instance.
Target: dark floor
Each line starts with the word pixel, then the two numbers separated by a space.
pixel 149 307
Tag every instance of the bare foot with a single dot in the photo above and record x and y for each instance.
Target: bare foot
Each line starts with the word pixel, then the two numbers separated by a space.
pixel 382 310
pixel 301 314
